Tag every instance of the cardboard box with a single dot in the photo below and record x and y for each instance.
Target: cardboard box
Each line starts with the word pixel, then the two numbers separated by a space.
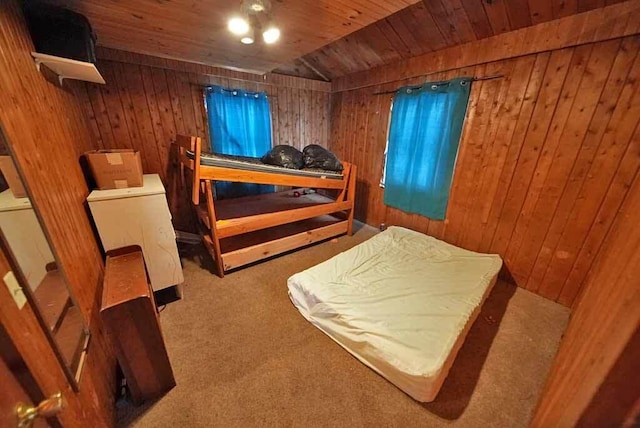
pixel 115 169
pixel 10 174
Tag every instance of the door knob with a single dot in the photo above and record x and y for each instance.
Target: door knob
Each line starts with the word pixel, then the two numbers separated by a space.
pixel 26 414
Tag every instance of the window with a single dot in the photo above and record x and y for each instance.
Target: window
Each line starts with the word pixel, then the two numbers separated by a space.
pixel 239 124
pixel 424 135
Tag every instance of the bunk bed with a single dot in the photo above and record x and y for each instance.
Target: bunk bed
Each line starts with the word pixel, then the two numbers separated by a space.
pixel 240 231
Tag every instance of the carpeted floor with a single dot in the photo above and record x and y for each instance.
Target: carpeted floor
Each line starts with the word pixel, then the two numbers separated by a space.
pixel 243 356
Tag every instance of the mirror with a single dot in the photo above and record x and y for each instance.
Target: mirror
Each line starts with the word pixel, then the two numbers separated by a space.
pixel 36 270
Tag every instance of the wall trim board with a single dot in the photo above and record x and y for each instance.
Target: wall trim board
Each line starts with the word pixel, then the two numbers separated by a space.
pixel 611 22
pixel 274 79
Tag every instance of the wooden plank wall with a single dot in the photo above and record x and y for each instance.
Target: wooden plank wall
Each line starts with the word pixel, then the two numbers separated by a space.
pixel 47 131
pixel 433 25
pixel 602 329
pixel 547 156
pixel 617 401
pixel 600 24
pixel 148 100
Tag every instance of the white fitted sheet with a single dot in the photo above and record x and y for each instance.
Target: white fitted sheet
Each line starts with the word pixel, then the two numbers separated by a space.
pixel 400 302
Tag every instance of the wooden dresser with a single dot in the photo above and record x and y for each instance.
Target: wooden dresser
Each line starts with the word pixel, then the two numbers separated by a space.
pixel 131 320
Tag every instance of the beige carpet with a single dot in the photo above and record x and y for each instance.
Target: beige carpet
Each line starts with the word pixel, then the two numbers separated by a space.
pixel 243 356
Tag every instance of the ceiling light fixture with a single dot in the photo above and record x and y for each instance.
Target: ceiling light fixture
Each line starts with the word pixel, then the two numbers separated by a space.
pixel 238 26
pixel 249 38
pixel 255 6
pixel 271 35
pixel 255 18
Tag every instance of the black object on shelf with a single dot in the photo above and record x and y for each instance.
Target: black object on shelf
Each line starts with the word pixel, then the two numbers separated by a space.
pixel 60 32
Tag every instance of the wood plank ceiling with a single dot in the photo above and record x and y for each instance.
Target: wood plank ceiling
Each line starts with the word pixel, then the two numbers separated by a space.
pixel 196 31
pixel 427 26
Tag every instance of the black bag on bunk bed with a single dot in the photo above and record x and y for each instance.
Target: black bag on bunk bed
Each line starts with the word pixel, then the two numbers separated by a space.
pixel 285 156
pixel 316 156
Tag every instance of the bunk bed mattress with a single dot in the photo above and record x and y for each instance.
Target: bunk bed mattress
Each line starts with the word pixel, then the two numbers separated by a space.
pixel 401 303
pixel 246 163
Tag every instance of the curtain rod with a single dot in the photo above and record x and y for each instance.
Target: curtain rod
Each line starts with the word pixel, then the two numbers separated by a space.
pixel 197 85
pixel 474 79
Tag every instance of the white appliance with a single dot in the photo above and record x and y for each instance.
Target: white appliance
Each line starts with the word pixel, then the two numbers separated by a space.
pixel 140 216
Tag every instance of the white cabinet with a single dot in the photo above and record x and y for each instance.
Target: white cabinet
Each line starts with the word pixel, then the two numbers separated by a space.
pixel 140 216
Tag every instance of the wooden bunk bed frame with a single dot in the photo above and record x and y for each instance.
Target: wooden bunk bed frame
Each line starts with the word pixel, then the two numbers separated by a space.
pixel 240 231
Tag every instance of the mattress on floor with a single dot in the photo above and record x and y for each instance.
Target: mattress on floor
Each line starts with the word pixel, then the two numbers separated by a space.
pixel 401 302
pixel 246 163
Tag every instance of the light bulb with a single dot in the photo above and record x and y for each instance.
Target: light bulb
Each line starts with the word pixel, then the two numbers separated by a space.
pixel 247 40
pixel 271 35
pixel 238 26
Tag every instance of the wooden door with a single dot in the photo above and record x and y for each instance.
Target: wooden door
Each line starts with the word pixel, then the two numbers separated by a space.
pixel 29 365
pixel 12 394
pixel 19 388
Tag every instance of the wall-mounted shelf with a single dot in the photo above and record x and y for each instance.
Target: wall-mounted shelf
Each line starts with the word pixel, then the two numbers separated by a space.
pixel 67 68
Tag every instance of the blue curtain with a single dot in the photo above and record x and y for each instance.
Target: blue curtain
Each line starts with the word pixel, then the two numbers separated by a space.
pixel 424 134
pixel 239 124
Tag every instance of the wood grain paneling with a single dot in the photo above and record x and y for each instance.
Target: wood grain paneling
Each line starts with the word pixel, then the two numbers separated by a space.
pixel 196 31
pixel 617 402
pixel 148 101
pixel 428 26
pixel 47 131
pixel 547 156
pixel 274 79
pixel 602 329
pixel 607 23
